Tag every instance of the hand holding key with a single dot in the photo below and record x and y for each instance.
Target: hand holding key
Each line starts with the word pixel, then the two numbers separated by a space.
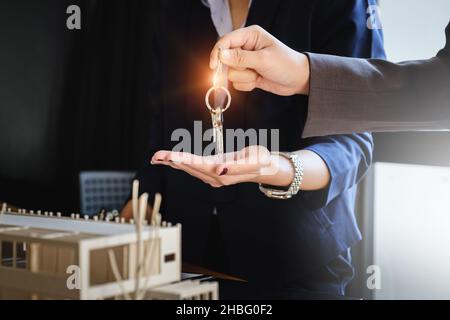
pixel 256 59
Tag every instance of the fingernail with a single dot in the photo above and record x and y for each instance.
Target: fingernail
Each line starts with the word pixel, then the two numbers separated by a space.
pixel 224 172
pixel 225 54
pixel 157 160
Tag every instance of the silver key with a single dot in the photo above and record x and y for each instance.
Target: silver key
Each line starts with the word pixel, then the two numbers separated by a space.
pixel 217 124
pixel 219 83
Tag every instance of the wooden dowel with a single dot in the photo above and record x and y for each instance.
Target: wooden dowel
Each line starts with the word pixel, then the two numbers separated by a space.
pixel 143 203
pixel 1 214
pixel 156 207
pixel 134 200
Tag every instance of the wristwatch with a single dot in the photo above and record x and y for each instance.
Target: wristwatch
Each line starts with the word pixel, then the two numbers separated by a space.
pixel 293 189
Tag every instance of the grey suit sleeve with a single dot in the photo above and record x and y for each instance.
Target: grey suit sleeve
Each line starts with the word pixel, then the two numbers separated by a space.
pixel 356 95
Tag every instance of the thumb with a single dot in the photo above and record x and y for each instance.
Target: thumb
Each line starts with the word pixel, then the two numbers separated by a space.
pixel 241 59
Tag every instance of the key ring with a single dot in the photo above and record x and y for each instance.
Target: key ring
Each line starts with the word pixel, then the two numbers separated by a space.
pixel 217 74
pixel 209 93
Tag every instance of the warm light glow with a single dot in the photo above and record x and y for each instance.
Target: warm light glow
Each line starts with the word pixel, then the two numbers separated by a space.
pixel 215 79
pixel 218 79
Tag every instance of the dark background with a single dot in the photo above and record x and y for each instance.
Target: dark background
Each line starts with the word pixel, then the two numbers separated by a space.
pixel 75 100
pixel 71 100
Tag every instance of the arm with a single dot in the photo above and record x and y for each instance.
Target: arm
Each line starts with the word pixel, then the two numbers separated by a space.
pixel 331 165
pixel 354 95
pixel 346 94
pixel 347 157
pixel 316 174
pixel 253 164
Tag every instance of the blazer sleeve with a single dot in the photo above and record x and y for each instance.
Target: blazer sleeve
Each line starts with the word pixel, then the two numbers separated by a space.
pixel 348 157
pixel 356 95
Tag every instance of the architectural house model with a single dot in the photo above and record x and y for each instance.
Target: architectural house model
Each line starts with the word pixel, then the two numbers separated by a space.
pixel 46 256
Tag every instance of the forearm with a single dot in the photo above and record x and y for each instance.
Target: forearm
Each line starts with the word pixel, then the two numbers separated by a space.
pixel 316 175
pixel 356 95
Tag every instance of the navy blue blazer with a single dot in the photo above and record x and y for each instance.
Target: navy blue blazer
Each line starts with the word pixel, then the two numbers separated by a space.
pixel 264 239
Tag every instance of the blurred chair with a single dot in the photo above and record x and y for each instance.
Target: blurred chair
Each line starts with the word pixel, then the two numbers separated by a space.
pixel 104 190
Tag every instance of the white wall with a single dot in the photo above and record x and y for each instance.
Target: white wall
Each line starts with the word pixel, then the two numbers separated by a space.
pixel 414 29
pixel 412 231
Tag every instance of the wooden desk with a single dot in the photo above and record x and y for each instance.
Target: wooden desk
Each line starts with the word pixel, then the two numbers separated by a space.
pixel 188 268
